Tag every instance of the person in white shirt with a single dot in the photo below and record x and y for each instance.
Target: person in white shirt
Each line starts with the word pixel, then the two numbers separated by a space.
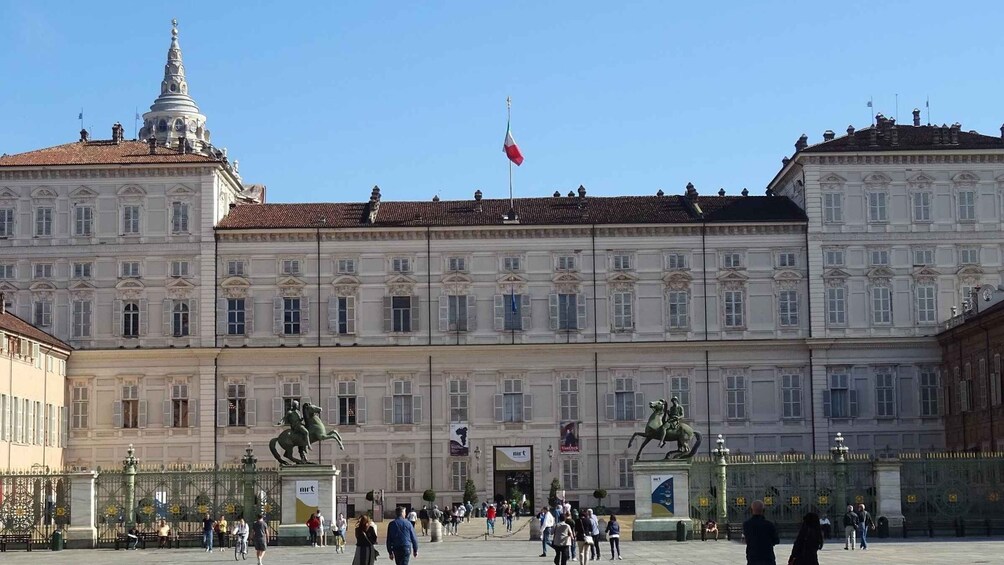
pixel 546 528
pixel 338 532
pixel 412 517
pixel 322 535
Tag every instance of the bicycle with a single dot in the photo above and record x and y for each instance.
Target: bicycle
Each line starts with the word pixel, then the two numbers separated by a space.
pixel 240 547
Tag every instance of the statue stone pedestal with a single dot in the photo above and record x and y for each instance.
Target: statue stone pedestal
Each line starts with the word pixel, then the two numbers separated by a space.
pixel 662 499
pixel 305 489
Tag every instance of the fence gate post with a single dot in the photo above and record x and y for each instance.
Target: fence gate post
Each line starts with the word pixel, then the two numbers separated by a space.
pixel 82 532
pixel 722 498
pixel 251 510
pixel 839 452
pixel 129 474
pixel 889 493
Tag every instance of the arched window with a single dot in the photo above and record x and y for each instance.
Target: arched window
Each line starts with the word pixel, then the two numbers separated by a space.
pixel 180 318
pixel 130 319
pixel 162 125
pixel 174 87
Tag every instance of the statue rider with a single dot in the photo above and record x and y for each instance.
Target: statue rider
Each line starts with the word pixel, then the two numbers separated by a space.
pixel 294 420
pixel 671 419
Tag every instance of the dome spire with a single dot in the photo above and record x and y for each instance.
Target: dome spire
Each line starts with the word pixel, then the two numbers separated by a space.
pixel 174 114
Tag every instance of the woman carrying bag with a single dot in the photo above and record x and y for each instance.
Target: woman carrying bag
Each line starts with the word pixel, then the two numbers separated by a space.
pixel 366 539
pixel 808 542
pixel 583 538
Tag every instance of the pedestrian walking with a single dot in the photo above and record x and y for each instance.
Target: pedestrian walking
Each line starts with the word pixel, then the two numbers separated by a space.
pixel 824 524
pixel 366 539
pixel 490 519
pixel 222 534
pixel 322 532
pixel 562 544
pixel 338 532
pixel 583 538
pixel 808 542
pixel 208 525
pixel 312 526
pixel 760 536
pixel 412 517
pixel 865 523
pixel 614 535
pixel 469 510
pixel 546 529
pixel 594 549
pixel 402 543
pixel 423 517
pixel 850 527
pixel 260 532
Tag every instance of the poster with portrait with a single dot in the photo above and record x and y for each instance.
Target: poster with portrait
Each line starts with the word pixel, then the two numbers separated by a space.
pixel 662 496
pixel 568 439
pixel 459 446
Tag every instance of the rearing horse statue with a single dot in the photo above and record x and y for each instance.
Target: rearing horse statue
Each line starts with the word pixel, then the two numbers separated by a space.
pixel 681 432
pixel 315 433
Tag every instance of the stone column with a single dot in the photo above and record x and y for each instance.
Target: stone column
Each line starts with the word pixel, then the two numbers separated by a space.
pixel 722 498
pixel 292 523
pixel 82 532
pixel 669 482
pixel 251 509
pixel 889 495
pixel 129 469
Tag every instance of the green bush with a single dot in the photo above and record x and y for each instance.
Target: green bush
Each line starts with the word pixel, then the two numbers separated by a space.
pixel 429 495
pixel 470 492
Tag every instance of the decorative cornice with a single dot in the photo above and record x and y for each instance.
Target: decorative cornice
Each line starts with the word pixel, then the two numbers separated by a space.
pixel 120 172
pixel 905 159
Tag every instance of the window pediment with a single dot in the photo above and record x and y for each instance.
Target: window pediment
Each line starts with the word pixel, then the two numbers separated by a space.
pixel 180 190
pixel 925 274
pixel 832 179
pixel 291 282
pixel 131 190
pixel 566 278
pixel 179 288
pixel 345 280
pixel 835 274
pixel 234 282
pixel 511 283
pixel 876 179
pixel 622 278
pixel 880 273
pixel 970 270
pixel 81 286
pixel 787 275
pixel 43 193
pixel 456 279
pixel 677 280
pixel 6 287
pixel 42 287
pixel 511 278
pixel 7 193
pixel 400 285
pixel 965 179
pixel 732 277
pixel 129 284
pixel 83 192
pixel 920 179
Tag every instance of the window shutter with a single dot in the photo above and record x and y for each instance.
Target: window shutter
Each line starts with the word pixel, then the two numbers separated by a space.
pixel 193 412
pixel 142 414
pixel 472 312
pixel 525 312
pixel 498 408
pixel 166 320
pixel 117 318
pixel 222 316
pixel 444 313
pixel 350 315
pixel 826 404
pixel 388 409
pixel 416 409
pixel 853 394
pixel 251 418
pixel 639 406
pixel 333 314
pixel 64 433
pixel 277 406
pixel 144 316
pixel 193 317
pixel 332 415
pixel 360 409
pixel 277 315
pixel 222 412
pixel 611 406
pixel 415 327
pixel 580 311
pixel 527 408
pixel 499 308
pixel 388 313
pixel 304 315
pixel 117 413
pixel 552 303
pixel 168 414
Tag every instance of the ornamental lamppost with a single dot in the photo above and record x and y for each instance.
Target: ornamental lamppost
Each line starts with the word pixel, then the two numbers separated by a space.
pixel 839 453
pixel 129 470
pixel 721 453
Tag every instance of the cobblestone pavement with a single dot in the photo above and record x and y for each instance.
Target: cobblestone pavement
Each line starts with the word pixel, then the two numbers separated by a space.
pixel 518 551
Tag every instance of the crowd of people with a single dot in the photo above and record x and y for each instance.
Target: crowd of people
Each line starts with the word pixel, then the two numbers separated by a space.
pixel 570 533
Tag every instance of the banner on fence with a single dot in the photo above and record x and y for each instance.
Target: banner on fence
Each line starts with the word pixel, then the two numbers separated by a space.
pixel 306 500
pixel 662 496
pixel 458 439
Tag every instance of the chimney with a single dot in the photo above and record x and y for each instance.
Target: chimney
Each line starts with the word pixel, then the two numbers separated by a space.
pixel 936 136
pixel 435 198
pixel 1002 132
pixel 785 161
pixel 769 191
pixel 571 194
pixel 802 143
pixel 955 132
pixel 558 194
pixel 828 135
pixel 477 198
pixel 375 194
pixel 153 145
pixel 721 192
pixel 660 193
pixel 582 191
pixel 691 191
pixel 894 135
pixel 118 133
pixel 374 204
pixel 745 192
pixel 916 117
pixel 851 140
pixel 83 135
pixel 873 136
pixel 183 145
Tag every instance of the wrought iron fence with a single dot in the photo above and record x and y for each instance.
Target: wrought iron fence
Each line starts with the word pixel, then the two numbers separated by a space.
pixel 33 503
pixel 944 487
pixel 703 489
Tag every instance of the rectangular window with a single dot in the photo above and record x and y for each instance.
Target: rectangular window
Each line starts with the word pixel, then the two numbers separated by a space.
pixel 735 397
pixel 732 260
pixel 568 400
pixel 679 386
pixel 347 477
pixel 180 318
pixel 625 476
pixel 623 303
pixel 833 208
pixel 130 406
pixel 130 318
pixel 346 315
pixel 456 264
pixel 877 207
pixel 836 305
pixel 130 220
pixel 622 262
pixel 347 403
pixel 833 257
pixel 733 300
pixel 926 304
pixel 83 271
pixel 458 475
pixel 83 221
pixel 6 222
pixel 290 267
pixel 403 404
pixel 401 265
pixel 78 407
pixel 236 316
pixel 568 312
pixel 676 261
pixel 292 391
pixel 179 405
pixel 969 255
pixel 570 474
pixel 43 270
pixel 786 260
pixel 625 400
pixel 179 217
pixel 458 401
pixel 513 321
pixel 42 313
pixel 402 476
pixel 885 394
pixel 7 271
pixel 679 309
pixel 180 269
pixel 923 257
pixel 967 206
pixel 401 314
pixel 236 268
pixel 511 264
pixel 839 393
pixel 43 222
pixel 787 308
pixel 791 395
pixel 346 266
pixel 129 269
pixel 81 318
pixel 512 400
pixel 881 305
pixel 922 207
pixel 566 263
pixel 456 313
pixel 878 257
pixel 291 316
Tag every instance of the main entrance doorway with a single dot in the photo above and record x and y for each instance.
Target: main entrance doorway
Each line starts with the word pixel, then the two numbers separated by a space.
pixel 513 476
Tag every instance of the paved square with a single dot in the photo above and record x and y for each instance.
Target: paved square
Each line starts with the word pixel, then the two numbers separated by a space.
pixel 518 551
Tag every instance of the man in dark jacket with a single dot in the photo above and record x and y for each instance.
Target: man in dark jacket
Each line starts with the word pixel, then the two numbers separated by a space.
pixel 760 536
pixel 851 522
pixel 402 542
pixel 864 523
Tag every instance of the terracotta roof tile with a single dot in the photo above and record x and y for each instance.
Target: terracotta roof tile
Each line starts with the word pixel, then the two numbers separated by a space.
pixel 11 323
pixel 908 138
pixel 531 211
pixel 101 152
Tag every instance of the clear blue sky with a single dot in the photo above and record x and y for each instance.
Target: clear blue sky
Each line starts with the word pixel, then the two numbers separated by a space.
pixel 322 102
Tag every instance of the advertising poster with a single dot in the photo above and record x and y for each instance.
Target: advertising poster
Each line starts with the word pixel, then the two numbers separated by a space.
pixel 569 437
pixel 458 439
pixel 306 500
pixel 513 459
pixel 662 496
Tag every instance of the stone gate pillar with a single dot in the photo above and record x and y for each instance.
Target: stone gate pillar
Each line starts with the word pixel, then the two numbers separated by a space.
pixel 305 489
pixel 662 498
pixel 839 453
pixel 82 532
pixel 129 472
pixel 889 494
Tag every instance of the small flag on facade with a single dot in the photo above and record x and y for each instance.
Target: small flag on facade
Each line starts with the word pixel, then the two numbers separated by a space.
pixel 511 149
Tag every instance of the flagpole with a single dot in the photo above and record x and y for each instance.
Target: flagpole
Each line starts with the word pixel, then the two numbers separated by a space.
pixel 508 119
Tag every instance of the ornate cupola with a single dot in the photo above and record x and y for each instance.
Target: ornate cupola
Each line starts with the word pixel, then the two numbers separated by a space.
pixel 174 115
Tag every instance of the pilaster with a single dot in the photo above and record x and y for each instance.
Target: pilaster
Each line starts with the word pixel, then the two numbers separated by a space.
pixel 82 532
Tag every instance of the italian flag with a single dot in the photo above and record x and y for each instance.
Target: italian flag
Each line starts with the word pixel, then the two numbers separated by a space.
pixel 510 147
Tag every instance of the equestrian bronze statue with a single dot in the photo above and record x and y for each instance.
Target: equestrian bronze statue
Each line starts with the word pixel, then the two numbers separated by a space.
pixel 305 429
pixel 666 424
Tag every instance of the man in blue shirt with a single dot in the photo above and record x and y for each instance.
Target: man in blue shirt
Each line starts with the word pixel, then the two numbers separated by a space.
pixel 402 543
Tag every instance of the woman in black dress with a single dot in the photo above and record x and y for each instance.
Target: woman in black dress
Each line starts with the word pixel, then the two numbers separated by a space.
pixel 366 539
pixel 808 542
